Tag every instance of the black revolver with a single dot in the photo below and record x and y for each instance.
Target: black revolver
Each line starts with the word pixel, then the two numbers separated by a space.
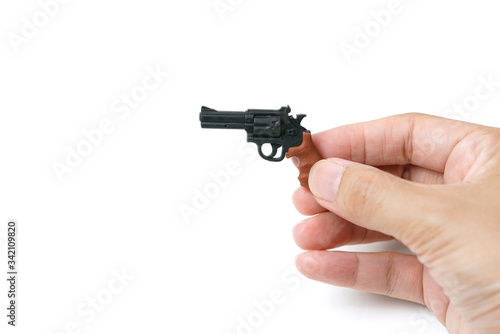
pixel 274 127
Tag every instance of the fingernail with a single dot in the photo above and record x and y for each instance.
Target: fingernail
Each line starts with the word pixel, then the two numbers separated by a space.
pixel 295 161
pixel 324 179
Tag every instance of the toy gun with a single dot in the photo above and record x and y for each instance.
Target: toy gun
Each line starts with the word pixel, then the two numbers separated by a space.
pixel 275 127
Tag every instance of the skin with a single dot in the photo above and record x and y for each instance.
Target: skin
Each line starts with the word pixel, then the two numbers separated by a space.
pixel 429 182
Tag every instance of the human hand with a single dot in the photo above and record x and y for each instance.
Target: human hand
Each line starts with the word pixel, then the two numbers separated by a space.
pixel 436 189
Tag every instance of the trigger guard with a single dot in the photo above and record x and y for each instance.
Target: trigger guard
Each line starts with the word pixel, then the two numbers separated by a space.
pixel 272 156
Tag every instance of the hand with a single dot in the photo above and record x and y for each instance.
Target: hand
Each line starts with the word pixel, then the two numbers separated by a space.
pixel 435 187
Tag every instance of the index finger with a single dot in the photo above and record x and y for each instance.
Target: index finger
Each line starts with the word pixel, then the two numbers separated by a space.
pixel 416 139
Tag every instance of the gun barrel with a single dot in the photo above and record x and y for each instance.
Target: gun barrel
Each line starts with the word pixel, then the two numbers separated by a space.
pixel 213 119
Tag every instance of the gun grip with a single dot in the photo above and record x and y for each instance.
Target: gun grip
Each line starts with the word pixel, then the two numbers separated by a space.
pixel 307 155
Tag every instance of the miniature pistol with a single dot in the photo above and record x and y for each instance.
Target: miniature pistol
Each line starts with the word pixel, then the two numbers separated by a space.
pixel 275 127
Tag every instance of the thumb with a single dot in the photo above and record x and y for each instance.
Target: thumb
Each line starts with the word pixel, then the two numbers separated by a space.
pixel 371 198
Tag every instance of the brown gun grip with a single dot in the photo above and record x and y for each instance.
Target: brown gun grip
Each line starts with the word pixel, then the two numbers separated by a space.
pixel 307 155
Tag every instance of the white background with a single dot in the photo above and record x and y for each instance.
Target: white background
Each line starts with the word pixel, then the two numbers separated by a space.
pixel 119 209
